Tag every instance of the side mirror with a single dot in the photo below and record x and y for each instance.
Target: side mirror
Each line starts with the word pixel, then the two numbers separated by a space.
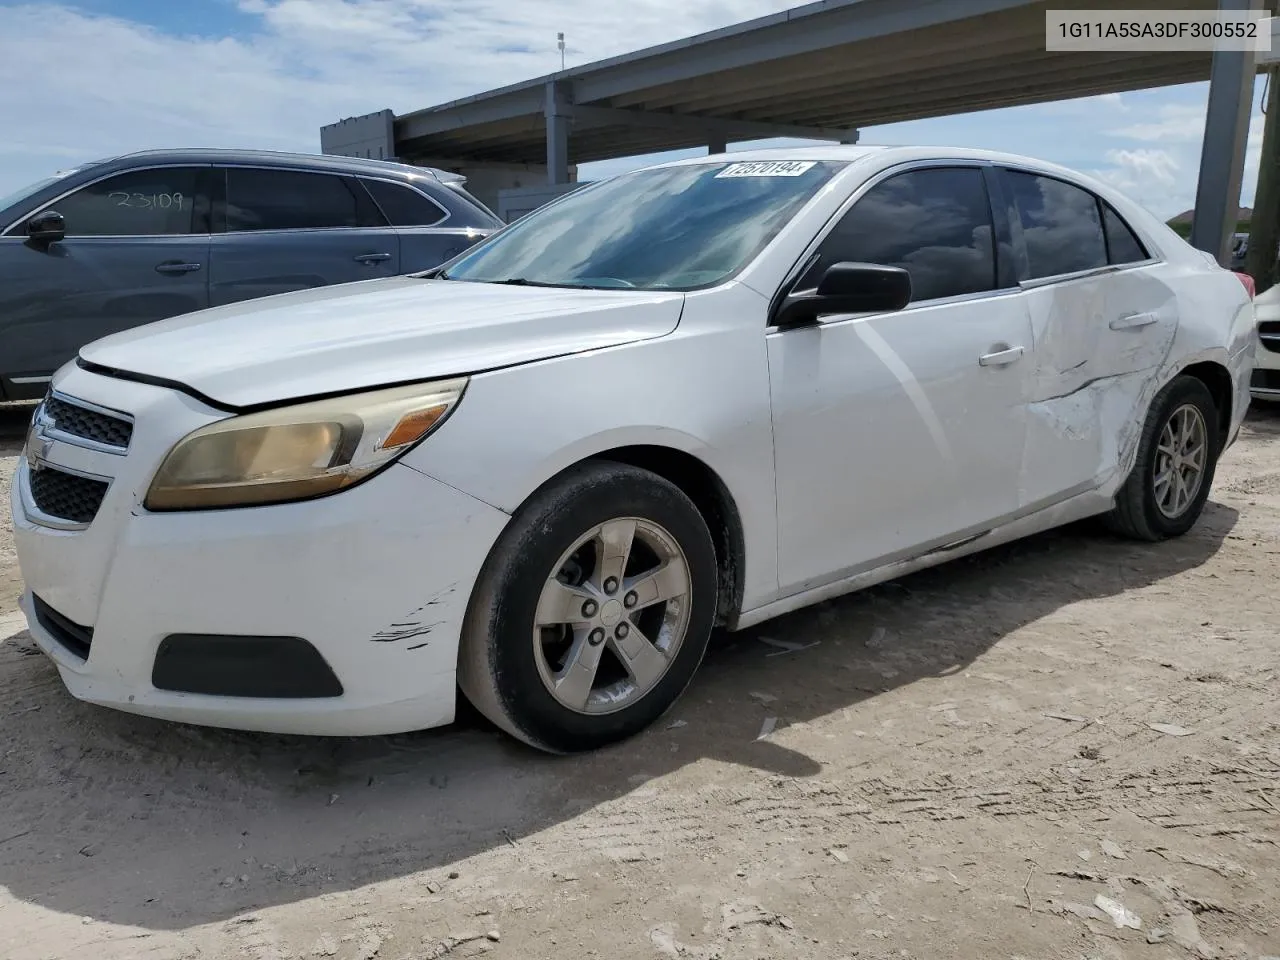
pixel 849 288
pixel 46 228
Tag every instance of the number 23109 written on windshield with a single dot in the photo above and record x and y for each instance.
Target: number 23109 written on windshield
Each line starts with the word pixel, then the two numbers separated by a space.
pixel 142 201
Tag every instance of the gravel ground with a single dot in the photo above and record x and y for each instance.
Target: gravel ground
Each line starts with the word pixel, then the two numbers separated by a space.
pixel 984 760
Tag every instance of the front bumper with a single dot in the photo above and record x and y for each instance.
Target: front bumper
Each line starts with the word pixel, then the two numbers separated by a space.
pixel 1265 381
pixel 376 579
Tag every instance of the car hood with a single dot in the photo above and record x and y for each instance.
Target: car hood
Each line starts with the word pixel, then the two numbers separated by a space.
pixel 372 333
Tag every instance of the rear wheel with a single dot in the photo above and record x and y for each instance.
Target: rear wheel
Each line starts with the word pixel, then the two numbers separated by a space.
pixel 1177 455
pixel 593 612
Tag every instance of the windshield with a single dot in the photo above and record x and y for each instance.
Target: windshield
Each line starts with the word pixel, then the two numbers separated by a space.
pixel 11 199
pixel 669 228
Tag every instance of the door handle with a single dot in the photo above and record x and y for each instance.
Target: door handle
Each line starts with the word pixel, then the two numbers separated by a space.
pixel 1000 358
pixel 176 266
pixel 372 257
pixel 1133 321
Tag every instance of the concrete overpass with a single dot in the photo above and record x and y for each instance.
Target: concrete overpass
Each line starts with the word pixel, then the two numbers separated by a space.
pixel 818 71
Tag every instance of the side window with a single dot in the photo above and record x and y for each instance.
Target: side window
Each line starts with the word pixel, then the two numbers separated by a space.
pixel 260 199
pixel 140 203
pixel 1060 225
pixel 403 206
pixel 935 223
pixel 1123 245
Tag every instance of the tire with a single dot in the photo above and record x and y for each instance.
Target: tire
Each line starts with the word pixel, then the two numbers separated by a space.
pixel 1138 513
pixel 515 673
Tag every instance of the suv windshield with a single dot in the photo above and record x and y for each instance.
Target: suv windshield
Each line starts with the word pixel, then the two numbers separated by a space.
pixel 670 228
pixel 12 198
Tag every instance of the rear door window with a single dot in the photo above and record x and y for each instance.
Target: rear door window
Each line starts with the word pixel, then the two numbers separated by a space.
pixel 403 206
pixel 264 199
pixel 140 203
pixel 1060 225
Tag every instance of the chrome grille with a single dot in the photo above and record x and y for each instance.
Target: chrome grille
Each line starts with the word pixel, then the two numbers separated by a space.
pixel 77 421
pixel 65 496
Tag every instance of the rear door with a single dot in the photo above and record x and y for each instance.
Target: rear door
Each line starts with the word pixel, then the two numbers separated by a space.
pixel 428 234
pixel 1102 319
pixel 136 250
pixel 278 230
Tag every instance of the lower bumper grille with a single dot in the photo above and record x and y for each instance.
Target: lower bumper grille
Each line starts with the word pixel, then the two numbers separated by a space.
pixel 1269 335
pixel 240 666
pixel 66 496
pixel 1265 379
pixel 74 638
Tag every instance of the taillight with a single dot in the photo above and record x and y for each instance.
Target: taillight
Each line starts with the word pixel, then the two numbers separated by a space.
pixel 1247 281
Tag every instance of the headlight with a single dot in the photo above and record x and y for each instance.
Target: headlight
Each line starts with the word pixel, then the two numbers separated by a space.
pixel 297 452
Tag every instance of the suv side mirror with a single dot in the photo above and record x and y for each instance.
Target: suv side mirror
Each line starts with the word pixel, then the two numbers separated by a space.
pixel 46 228
pixel 849 288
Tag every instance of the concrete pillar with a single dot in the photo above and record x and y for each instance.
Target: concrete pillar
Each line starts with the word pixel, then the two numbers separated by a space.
pixel 851 137
pixel 716 143
pixel 559 113
pixel 1226 130
pixel 1264 232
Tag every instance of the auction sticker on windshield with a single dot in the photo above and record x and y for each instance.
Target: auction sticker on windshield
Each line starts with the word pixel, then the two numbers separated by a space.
pixel 766 168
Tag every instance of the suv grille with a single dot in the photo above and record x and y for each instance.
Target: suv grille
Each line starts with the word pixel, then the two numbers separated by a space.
pixel 65 495
pixel 89 424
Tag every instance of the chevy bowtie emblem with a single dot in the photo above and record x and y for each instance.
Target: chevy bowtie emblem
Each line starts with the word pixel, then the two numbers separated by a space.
pixel 39 443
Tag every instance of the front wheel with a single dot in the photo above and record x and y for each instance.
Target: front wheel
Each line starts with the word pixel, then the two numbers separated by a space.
pixel 1177 455
pixel 593 611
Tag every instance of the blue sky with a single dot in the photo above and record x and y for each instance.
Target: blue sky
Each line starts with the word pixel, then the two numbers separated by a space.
pixel 81 79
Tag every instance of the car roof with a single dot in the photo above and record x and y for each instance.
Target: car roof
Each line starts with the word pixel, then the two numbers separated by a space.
pixel 884 154
pixel 274 158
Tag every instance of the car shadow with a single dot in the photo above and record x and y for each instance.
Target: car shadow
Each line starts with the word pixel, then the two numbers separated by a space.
pixel 163 826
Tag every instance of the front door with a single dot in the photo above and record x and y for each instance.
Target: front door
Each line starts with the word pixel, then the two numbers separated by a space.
pixel 895 433
pixel 136 250
pixel 280 230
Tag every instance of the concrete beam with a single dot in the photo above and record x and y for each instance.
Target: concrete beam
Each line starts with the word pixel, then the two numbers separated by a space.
pixel 586 116
pixel 425 123
pixel 796 36
pixel 1015 80
pixel 1226 130
pixel 896 110
pixel 803 75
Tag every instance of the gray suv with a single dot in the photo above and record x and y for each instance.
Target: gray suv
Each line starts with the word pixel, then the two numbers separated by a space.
pixel 122 242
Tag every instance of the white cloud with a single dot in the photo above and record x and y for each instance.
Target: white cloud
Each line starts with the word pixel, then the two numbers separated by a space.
pixel 1173 123
pixel 1158 165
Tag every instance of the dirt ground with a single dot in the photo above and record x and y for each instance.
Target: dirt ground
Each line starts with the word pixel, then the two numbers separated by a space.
pixel 964 766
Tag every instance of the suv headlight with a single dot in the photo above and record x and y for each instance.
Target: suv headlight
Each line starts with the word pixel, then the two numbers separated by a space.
pixel 298 452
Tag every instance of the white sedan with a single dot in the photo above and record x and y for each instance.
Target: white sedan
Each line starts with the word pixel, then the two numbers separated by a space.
pixel 704 393
pixel 1266 372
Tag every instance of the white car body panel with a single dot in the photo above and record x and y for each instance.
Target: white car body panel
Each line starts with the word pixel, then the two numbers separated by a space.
pixel 230 355
pixel 855 487
pixel 852 451
pixel 1267 359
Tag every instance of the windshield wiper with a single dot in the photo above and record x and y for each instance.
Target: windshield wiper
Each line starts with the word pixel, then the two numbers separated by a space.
pixel 526 282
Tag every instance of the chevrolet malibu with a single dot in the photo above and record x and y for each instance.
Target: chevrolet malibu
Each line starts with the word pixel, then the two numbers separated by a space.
pixel 704 393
